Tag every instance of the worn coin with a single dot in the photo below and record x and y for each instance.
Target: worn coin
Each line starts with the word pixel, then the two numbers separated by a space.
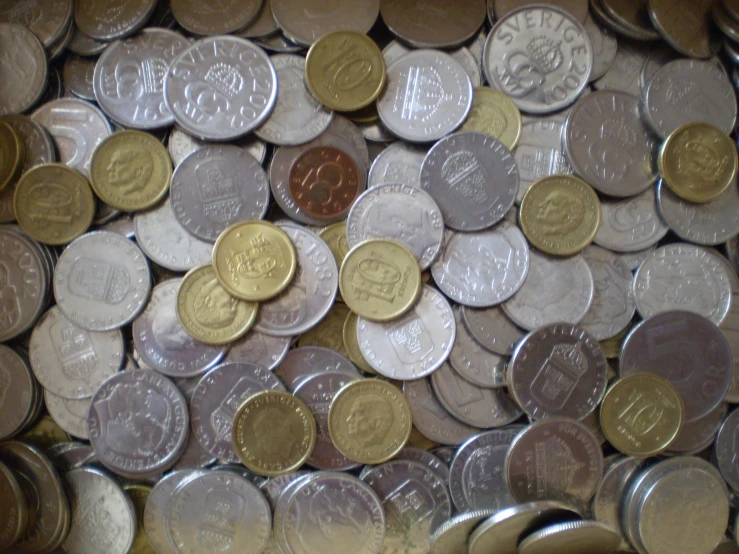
pixel 15 509
pixel 686 26
pixel 725 450
pixel 215 18
pixel 473 362
pixel 398 163
pixel 492 329
pixel 154 512
pixel 20 392
pixel 698 435
pixel 630 225
pixel 624 73
pixel 78 72
pixel 39 149
pixel 576 537
pixel 13 151
pixel 70 415
pixel 180 145
pixel 494 114
pixel 301 363
pixel 48 23
pixel 109 21
pixel 24 74
pixel 263 26
pixel 304 21
pixel 435 24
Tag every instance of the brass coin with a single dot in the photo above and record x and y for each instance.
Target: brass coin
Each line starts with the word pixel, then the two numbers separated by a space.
pixel 254 260
pixel 380 279
pixel 329 333
pixel 139 494
pixel 572 537
pixel 53 203
pixel 698 162
pixel 494 114
pixel 130 170
pixel 12 155
pixel 369 421
pixel 560 215
pixel 208 312
pixel 368 114
pixel 45 434
pixel 335 236
pixel 641 414
pixel 345 70
pixel 13 509
pixel 351 344
pixel 273 433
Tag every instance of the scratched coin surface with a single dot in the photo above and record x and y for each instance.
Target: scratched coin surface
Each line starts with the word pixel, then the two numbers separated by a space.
pixel 23 78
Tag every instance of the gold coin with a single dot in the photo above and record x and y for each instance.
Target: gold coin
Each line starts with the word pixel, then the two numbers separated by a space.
pixel 335 236
pixel 380 279
pixel 12 155
pixel 494 114
pixel 612 347
pixel 273 433
pixel 419 440
pixel 329 333
pixel 641 414
pixel 254 260
pixel 369 421
pixel 208 312
pixel 139 494
pixel 698 162
pixel 351 345
pixel 130 170
pixel 368 114
pixel 53 203
pixel 345 70
pixel 560 215
pixel 45 434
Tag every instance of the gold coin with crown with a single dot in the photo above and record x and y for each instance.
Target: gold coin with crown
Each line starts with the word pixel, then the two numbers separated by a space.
pixel 494 114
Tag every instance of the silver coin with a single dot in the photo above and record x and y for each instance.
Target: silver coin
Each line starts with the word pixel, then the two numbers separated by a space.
pixel 710 223
pixel 102 514
pixel 395 50
pixel 613 303
pixel 218 509
pixel 67 456
pixel 559 370
pixel 556 459
pixel 398 212
pixel 412 80
pixel 376 132
pixel 84 45
pixel 77 128
pixel 484 268
pixel 444 453
pixel 218 397
pixel 194 456
pixel 180 145
pixel 275 486
pixel 473 405
pixel 215 18
pixel 726 449
pixel 38 145
pixel 473 362
pixel 263 26
pixel 278 43
pixel 123 225
pixel 138 422
pixel 452 535
pixel 730 327
pixel 404 484
pixel 48 21
pixel 317 391
pixel 492 329
pixel 414 345
pixel 524 58
pixel 69 361
pixel 297 117
pixel 215 187
pixel 239 469
pixel 221 88
pixel 19 392
pixel 163 343
pixel 166 242
pixel 259 349
pixel 609 146
pixel 23 74
pixel 604 45
pixel 302 363
pixel 683 277
pixel 398 163
pixel 540 152
pixel 424 457
pixel 631 224
pixel 655 61
pixel 476 482
pixel 683 91
pixel 696 436
pixel 555 290
pixel 154 512
pixel 102 281
pixel 108 21
pixel 78 76
pixel 310 295
pixel 129 78
pixel 304 21
pixel 343 127
pixel 430 417
pixel 623 75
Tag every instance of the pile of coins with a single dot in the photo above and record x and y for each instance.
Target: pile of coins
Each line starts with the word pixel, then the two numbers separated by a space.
pixel 372 276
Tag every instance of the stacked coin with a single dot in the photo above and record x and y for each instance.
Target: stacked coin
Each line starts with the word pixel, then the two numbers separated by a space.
pixel 284 276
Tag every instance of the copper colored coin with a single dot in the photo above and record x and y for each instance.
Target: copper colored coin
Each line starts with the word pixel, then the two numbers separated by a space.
pixel 324 182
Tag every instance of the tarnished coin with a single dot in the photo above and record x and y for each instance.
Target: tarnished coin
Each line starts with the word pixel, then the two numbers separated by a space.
pixel 44 433
pixel 180 145
pixel 14 512
pixel 630 225
pixel 473 362
pixel 221 88
pixel 494 114
pixel 473 178
pixel 13 151
pixel 301 363
pixel 84 45
pixel 725 449
pixel 102 281
pixel 576 537
pixel 605 47
pixel 216 187
pixel 632 17
pixel 48 23
pixel 686 26
pixel 24 80
pixel 39 149
pixel 398 163
pixel 436 24
pixel 677 346
pixel 540 152
pixel 78 73
pixel 297 117
pixel 422 74
pixel 215 18
pixel 492 329
pixel 129 78
pixel 304 22
pixel 139 494
pixel 578 8
pixel 21 392
pixel 104 21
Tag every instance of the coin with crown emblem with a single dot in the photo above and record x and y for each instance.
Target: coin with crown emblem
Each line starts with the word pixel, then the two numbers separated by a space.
pixel 698 162
pixel 12 154
pixel 254 260
pixel 494 113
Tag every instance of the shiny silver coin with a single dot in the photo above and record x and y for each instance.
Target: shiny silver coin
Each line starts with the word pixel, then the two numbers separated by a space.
pixel 426 458
pixel 398 163
pixel 215 18
pixel 259 349
pixel 730 327
pixel 678 346
pixel 525 59
pixel 239 469
pixel 24 79
pixel 163 343
pixel 683 277
pixel 657 58
pixel 609 146
pixel 138 423
pixel 630 225
pixel 155 510
pixel 48 23
pixel 194 456
pixel 263 26
pixel 311 294
pixel 473 405
pixel 297 117
pixel 706 94
pixel 473 362
pixel 484 268
pixel 221 88
pixel 215 187
pixel 77 128
pixel 398 212
pixel 395 50
pixel 423 74
pixel 452 535
pixel 218 397
pixel 102 281
pixel 555 290
pixel 78 75
pixel 275 486
pixel 20 392
pixel 129 78
pixel 304 21
pixel 302 363
pixel 492 329
pixel 102 514
pixel 105 21
pixel 474 179
pixel 38 144
pixel 725 449
pixel 414 345
pixel 604 45
pixel 180 145
pixel 698 435
pixel 623 75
